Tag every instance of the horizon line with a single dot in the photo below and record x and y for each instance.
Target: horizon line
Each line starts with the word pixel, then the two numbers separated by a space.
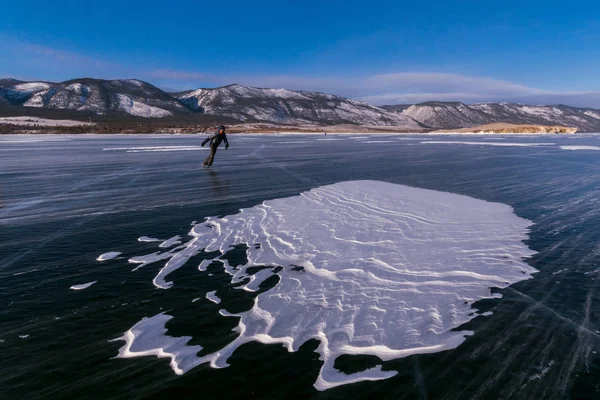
pixel 165 90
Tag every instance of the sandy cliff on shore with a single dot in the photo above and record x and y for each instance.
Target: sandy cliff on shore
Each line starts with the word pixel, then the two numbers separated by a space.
pixel 343 128
pixel 512 128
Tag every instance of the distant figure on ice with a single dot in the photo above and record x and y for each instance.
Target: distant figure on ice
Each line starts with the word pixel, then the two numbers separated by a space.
pixel 215 140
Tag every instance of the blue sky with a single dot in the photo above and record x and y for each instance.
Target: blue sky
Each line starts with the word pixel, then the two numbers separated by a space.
pixel 383 52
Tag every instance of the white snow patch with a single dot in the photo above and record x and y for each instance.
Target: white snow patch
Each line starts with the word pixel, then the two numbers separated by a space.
pixel 170 242
pixel 204 264
pixel 378 141
pixel 593 148
pixel 151 149
pixel 387 270
pixel 31 139
pixel 83 286
pixel 168 150
pixel 75 87
pixel 148 239
pixel 149 259
pixel 36 101
pixel 592 114
pixel 543 371
pixel 136 82
pixel 503 144
pixel 108 256
pixel 212 296
pixel 31 121
pixel 592 272
pixel 541 111
pixel 31 87
pixel 148 338
pixel 139 109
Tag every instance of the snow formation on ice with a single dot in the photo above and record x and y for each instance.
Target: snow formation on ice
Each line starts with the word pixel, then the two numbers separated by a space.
pixel 364 267
pixel 83 286
pixel 501 144
pixel 593 148
pixel 108 256
pixel 153 149
pixel 212 296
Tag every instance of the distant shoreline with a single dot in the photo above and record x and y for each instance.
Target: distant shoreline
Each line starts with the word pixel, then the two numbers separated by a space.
pixel 284 133
pixel 44 126
pixel 506 128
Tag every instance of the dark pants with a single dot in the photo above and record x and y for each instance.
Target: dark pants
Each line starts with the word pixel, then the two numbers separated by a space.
pixel 211 155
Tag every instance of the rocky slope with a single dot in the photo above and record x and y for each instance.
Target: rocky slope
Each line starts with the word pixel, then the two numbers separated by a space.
pixel 94 96
pixel 242 103
pixel 456 115
pixel 289 107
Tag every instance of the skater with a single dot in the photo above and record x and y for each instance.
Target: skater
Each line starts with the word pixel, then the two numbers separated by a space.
pixel 215 140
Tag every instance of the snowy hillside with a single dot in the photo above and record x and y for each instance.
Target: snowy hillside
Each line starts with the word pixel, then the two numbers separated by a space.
pixel 95 96
pixel 131 97
pixel 16 92
pixel 289 107
pixel 458 115
pixel 242 103
pixel 445 115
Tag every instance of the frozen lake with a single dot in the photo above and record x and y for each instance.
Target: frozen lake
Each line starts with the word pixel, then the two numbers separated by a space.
pixel 396 266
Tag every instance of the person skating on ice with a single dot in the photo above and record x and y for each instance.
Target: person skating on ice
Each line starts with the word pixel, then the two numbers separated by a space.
pixel 215 140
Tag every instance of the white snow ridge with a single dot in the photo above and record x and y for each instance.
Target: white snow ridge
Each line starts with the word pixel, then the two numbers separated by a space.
pixel 31 86
pixel 108 256
pixel 593 148
pixel 82 286
pixel 139 109
pixel 387 270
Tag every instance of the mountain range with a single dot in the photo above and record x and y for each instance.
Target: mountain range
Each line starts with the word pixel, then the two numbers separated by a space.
pixel 132 98
pixel 456 115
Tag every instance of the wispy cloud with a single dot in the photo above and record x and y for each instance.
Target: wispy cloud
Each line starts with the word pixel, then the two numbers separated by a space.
pixel 179 78
pixel 174 75
pixel 419 87
pixel 412 98
pixel 33 61
pixel 443 83
pixel 41 62
pixel 578 99
pixel 294 82
pixel 65 55
pixel 395 88
pixel 405 83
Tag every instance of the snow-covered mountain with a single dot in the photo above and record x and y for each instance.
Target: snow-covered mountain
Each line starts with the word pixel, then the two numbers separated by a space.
pixel 448 115
pixel 250 104
pixel 100 97
pixel 242 103
pixel 14 92
pixel 585 119
pixel 131 97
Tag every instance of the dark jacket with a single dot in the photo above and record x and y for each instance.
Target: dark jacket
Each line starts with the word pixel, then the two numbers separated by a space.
pixel 216 139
